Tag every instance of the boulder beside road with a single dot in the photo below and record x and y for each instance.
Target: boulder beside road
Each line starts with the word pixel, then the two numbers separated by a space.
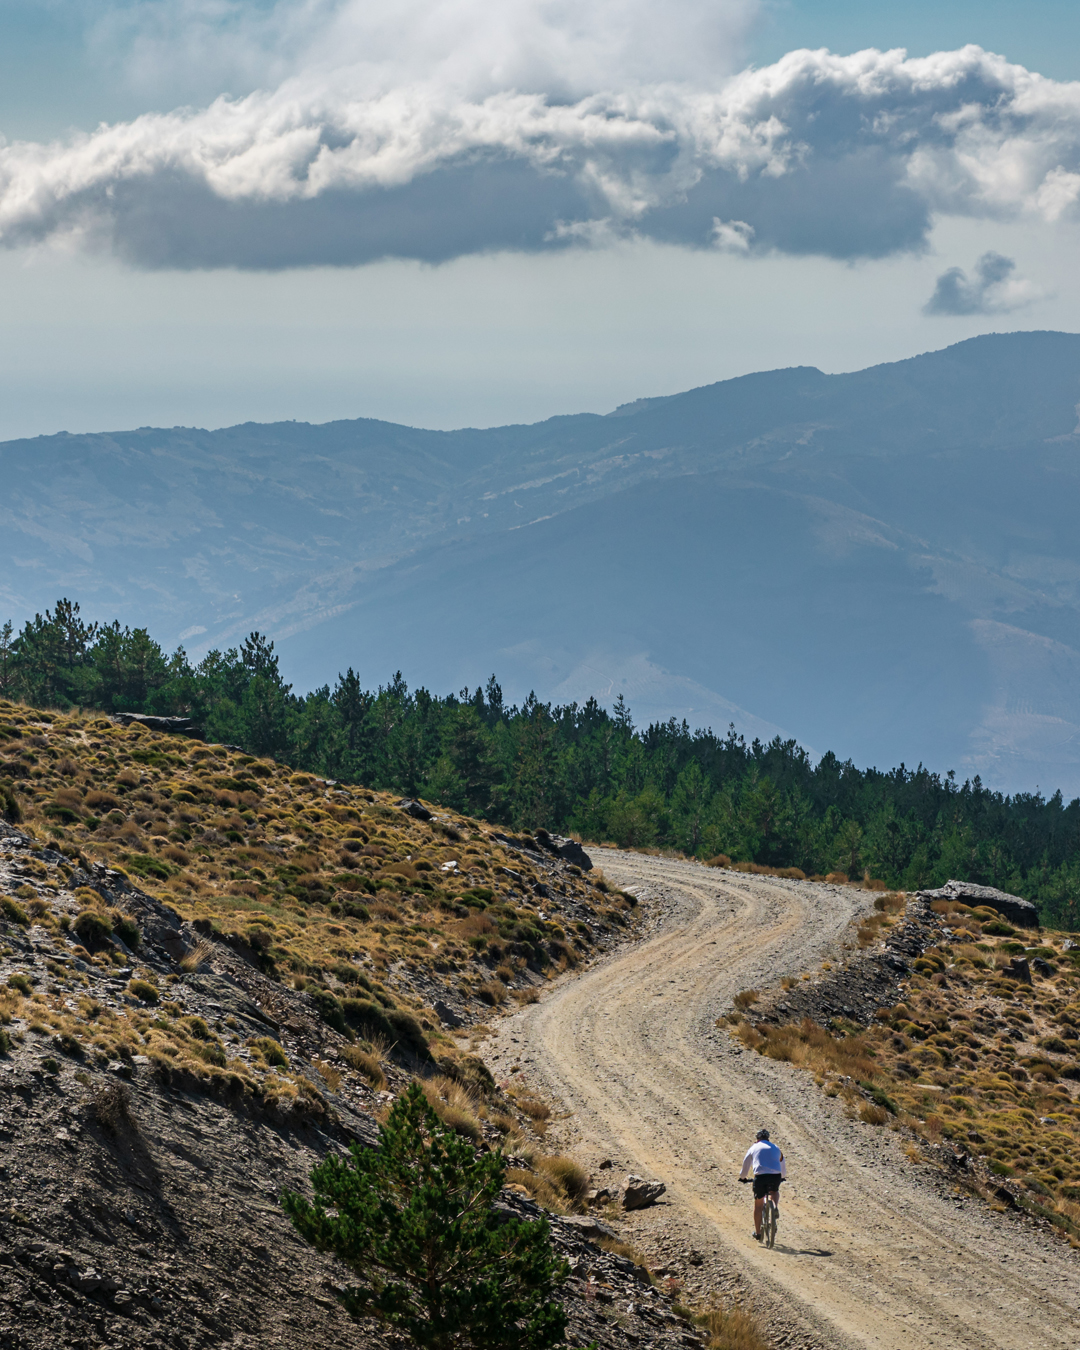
pixel 639 1193
pixel 1011 907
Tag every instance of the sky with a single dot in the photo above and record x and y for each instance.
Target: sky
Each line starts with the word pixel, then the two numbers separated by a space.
pixel 472 212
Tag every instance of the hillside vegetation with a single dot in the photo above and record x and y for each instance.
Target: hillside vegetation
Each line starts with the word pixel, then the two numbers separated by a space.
pixel 975 1055
pixel 576 768
pixel 326 888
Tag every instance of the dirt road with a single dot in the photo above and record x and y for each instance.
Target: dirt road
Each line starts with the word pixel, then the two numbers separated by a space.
pixel 870 1252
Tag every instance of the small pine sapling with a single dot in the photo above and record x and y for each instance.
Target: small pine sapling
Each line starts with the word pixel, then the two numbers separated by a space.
pixel 413 1219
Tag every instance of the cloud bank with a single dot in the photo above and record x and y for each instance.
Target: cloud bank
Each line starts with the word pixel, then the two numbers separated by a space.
pixel 843 156
pixel 993 289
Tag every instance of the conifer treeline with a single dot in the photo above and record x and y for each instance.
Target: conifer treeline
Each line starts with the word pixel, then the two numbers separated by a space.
pixel 573 767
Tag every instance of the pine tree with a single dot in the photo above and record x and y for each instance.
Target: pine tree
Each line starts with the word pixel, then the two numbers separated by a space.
pixel 413 1219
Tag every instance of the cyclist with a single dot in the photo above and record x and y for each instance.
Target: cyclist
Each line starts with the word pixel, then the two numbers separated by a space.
pixel 764 1164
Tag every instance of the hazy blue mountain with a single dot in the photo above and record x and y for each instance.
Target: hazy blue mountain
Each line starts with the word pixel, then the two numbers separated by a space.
pixel 884 563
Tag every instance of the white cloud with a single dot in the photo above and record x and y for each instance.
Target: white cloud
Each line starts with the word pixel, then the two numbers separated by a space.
pixel 566 48
pixel 732 236
pixel 992 289
pixel 843 156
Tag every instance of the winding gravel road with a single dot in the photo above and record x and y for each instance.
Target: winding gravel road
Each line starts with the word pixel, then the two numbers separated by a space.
pixel 872 1251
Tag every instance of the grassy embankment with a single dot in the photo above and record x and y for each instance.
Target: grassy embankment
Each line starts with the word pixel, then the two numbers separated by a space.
pixel 973 1056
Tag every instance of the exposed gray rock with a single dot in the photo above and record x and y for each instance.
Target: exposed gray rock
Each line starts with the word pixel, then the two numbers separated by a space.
pixel 572 852
pixel 588 1226
pixel 1011 907
pixel 1018 969
pixel 447 1016
pixel 416 809
pixel 172 726
pixel 639 1193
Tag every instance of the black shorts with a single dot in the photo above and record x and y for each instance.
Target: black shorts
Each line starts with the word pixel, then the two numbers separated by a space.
pixel 765 1183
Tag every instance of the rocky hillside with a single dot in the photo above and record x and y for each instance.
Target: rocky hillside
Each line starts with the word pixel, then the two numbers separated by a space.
pixel 962 1028
pixel 213 971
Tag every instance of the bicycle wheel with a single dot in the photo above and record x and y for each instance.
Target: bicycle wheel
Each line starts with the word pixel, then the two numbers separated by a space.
pixel 770 1221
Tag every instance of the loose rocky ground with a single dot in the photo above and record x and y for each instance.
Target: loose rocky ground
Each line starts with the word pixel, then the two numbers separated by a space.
pixel 876 1248
pixel 165 1072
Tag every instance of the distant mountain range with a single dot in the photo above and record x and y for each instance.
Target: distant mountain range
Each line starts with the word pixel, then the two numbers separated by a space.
pixel 886 563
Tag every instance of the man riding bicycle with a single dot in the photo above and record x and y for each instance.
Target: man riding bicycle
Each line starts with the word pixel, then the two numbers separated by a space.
pixel 765 1162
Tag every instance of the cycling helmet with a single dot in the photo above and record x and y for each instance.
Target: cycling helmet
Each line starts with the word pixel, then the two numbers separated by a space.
pixel 762 1134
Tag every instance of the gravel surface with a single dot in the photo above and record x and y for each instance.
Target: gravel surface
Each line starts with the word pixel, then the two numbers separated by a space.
pixel 873 1249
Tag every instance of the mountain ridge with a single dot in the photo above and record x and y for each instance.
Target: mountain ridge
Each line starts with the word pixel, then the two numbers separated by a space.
pixel 960 464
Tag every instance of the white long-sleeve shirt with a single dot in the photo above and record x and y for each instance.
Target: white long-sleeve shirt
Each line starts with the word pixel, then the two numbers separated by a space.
pixel 765 1157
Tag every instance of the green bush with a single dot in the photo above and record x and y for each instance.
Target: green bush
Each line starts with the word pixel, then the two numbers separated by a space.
pixel 146 865
pixel 127 930
pixel 879 1097
pixel 9 805
pixel 271 1051
pixel 50 1065
pixel 93 931
pixel 20 982
pixel 5 1042
pixel 367 1018
pixel 144 990
pixel 330 1010
pixel 414 1220
pixel 13 911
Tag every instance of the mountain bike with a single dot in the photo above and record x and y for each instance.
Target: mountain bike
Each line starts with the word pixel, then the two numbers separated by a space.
pixel 770 1215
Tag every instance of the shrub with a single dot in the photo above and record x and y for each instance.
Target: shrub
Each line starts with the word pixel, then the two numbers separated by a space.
pixel 745 998
pixel 454 1107
pixel 538 1111
pixel 408 1031
pixel 68 1044
pixel 720 860
pixel 20 982
pixel 50 1065
pixel 330 1010
pixel 144 990
pixel 879 1096
pixel 731 1329
pixel 5 1042
pixel 111 1105
pixel 568 1175
pixel 9 805
pixel 146 865
pixel 368 1018
pixel 367 1063
pixel 872 1114
pixel 413 1219
pixel 1055 1044
pixel 271 1051
pixel 93 931
pixel 13 911
pixel 127 930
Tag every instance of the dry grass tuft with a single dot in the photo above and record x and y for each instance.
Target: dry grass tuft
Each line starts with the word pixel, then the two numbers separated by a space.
pixel 194 959
pixel 367 1063
pixel 569 1176
pixel 731 1328
pixel 454 1105
pixel 538 1111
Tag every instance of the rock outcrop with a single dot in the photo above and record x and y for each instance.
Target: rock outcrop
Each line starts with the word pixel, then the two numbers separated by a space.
pixel 1011 907
pixel 639 1193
